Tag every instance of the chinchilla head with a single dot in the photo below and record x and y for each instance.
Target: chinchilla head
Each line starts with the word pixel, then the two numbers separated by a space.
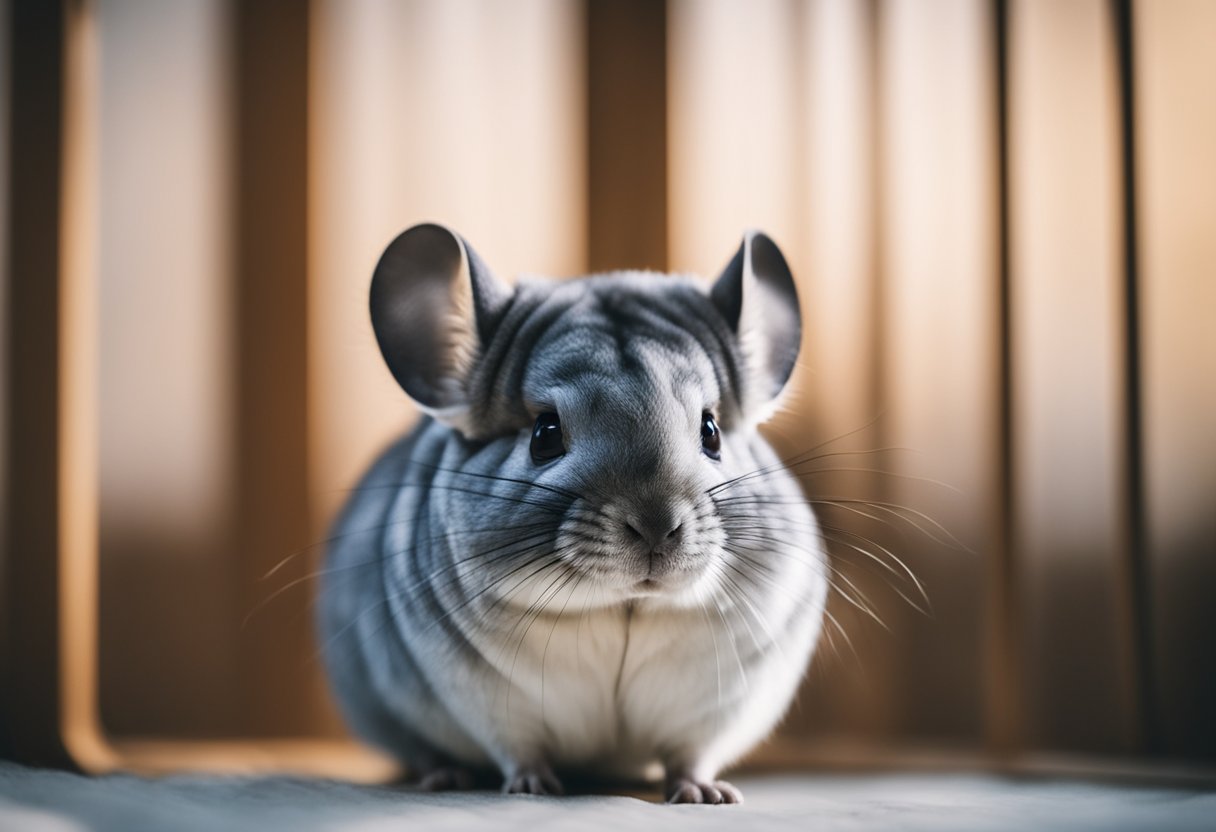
pixel 612 418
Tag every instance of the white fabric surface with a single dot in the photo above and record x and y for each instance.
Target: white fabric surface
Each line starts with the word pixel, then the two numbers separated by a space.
pixel 48 801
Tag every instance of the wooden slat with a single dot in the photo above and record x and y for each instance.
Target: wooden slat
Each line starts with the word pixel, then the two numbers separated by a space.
pixel 1176 211
pixel 1067 334
pixel 79 486
pixel 460 112
pixel 30 685
pixel 281 685
pixel 848 691
pixel 941 344
pixel 5 398
pixel 1004 717
pixel 733 162
pixel 626 135
pixel 166 364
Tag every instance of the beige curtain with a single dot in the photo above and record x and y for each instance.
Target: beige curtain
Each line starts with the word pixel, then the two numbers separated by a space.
pixel 1000 215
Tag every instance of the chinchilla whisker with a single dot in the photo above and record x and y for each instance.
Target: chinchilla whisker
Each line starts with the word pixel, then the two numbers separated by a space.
pixel 409 591
pixel 262 604
pixel 349 625
pixel 734 648
pixel 879 471
pixel 258 607
pixel 552 556
pixel 926 610
pixel 501 552
pixel 827 633
pixel 546 562
pixel 759 534
pixel 855 535
pixel 552 507
pixel 496 478
pixel 381 527
pixel 843 634
pixel 846 504
pixel 735 597
pixel 863 604
pixel 760 531
pixel 764 572
pixel 538 553
pixel 578 534
pixel 740 596
pixel 495 554
pixel 717 660
pixel 544 657
pixel 578 630
pixel 793 460
pixel 851 507
pixel 531 614
pixel 327 542
pixel 452 578
pixel 558 617
pixel 791 465
pixel 853 602
pixel 537 606
pixel 894 509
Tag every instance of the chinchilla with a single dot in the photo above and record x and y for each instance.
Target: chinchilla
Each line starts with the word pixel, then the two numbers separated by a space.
pixel 585 559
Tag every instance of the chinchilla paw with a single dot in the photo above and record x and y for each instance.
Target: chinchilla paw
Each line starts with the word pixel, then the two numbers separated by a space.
pixel 687 790
pixel 537 780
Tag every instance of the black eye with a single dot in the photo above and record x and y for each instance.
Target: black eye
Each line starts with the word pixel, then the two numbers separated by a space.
pixel 547 438
pixel 711 437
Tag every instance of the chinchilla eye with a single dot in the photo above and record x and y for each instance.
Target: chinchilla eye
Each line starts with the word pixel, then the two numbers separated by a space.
pixel 547 438
pixel 711 436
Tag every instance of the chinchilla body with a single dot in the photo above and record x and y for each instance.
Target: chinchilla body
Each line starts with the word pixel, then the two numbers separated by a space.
pixel 586 558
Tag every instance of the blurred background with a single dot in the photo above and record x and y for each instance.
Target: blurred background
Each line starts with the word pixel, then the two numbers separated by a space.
pixel 1001 216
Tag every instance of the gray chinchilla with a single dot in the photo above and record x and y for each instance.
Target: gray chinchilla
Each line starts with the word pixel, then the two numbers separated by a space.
pixel 585 560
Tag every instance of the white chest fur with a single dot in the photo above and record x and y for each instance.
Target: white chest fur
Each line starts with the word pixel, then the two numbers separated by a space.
pixel 620 688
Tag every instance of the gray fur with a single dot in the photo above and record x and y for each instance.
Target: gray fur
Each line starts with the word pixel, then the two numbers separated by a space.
pixel 480 610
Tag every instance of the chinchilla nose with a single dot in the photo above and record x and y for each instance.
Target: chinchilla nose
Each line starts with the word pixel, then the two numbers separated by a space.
pixel 657 528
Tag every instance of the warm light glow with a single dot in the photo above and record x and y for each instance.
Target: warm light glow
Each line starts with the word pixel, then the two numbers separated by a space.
pixel 463 113
pixel 78 508
pixel 940 337
pixel 164 257
pixel 1067 315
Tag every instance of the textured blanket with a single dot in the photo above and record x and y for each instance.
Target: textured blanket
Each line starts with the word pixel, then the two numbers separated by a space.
pixel 43 801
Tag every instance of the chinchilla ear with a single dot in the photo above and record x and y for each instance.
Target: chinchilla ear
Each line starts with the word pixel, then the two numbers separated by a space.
pixel 434 306
pixel 756 295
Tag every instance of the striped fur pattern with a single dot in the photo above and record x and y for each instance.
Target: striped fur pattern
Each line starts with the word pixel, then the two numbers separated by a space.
pixel 632 604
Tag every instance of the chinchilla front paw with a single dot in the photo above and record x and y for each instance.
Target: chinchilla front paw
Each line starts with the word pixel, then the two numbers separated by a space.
pixel 538 779
pixel 688 790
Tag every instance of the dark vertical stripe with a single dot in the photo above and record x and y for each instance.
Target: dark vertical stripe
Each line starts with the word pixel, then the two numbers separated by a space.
pixel 29 660
pixel 1138 597
pixel 1005 688
pixel 881 711
pixel 626 134
pixel 881 716
pixel 270 290
pixel 878 213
